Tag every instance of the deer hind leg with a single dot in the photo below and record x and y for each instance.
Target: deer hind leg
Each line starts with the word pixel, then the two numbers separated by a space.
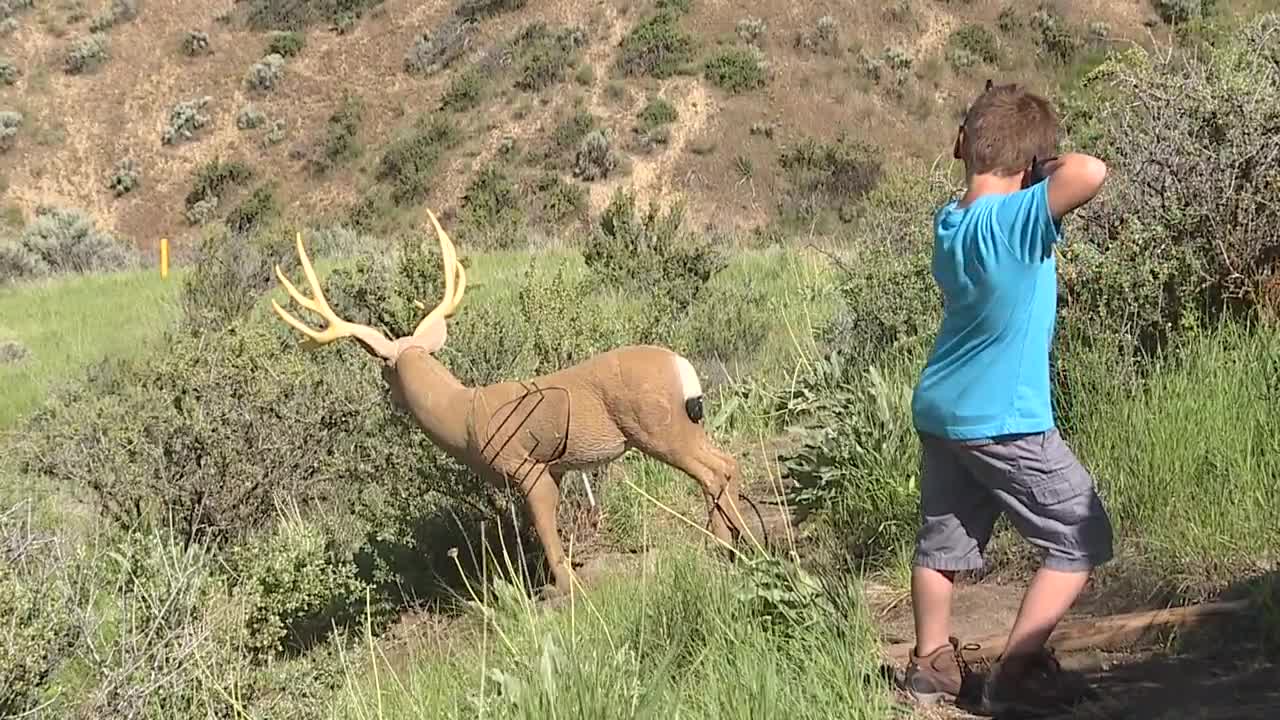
pixel 541 491
pixel 693 453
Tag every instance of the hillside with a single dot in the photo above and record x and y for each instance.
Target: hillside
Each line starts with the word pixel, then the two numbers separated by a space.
pixel 341 129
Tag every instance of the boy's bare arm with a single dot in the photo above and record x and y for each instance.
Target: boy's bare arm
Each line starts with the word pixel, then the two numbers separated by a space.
pixel 1074 179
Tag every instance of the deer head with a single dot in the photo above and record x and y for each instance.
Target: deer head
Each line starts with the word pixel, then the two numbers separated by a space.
pixel 419 383
pixel 429 335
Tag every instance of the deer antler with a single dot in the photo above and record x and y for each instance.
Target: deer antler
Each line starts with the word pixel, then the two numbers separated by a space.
pixel 455 280
pixel 338 328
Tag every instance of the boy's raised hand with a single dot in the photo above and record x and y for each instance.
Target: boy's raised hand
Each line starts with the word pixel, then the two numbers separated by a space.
pixel 1074 179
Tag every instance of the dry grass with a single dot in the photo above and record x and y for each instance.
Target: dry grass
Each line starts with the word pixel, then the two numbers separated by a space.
pixel 80 126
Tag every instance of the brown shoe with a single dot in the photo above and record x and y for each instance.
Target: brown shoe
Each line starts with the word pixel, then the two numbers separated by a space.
pixel 1036 686
pixel 937 676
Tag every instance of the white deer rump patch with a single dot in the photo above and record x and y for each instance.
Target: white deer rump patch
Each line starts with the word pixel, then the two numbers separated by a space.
pixel 690 386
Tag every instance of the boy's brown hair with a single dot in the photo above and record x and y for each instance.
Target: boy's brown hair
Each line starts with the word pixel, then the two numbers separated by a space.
pixel 1005 128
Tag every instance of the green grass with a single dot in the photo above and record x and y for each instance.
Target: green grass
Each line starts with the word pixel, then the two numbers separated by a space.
pixel 69 323
pixel 1190 465
pixel 687 638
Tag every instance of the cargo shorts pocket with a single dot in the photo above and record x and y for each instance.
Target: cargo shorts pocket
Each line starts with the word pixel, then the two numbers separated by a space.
pixel 1050 472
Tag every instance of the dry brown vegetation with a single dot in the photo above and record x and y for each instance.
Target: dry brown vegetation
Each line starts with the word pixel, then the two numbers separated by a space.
pixel 821 59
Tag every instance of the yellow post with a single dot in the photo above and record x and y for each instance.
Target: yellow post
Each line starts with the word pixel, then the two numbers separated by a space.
pixel 164 257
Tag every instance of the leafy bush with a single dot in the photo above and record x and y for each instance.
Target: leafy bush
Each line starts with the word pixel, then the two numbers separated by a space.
pixel 657 112
pixel 656 47
pixel 650 252
pixel 9 72
pixel 250 118
pixel 266 73
pixel 491 209
pixel 86 54
pixel 558 200
pixel 465 90
pixel 297 15
pixel 285 43
pixel 119 11
pixel 824 38
pixel 257 209
pixel 410 162
pixel 340 144
pixel 595 158
pixel 124 177
pixel 293 581
pixel 211 180
pixel 59 241
pixel 1181 11
pixel 185 120
pixel 10 122
pixel 974 41
pixel 432 53
pixel 487 8
pixel 1182 230
pixel 232 275
pixel 36 607
pixel 1054 38
pixel 737 70
pixel 196 43
pixel 545 56
pixel 828 175
pixel 750 29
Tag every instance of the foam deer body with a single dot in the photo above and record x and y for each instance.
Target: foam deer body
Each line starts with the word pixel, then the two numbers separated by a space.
pixel 530 433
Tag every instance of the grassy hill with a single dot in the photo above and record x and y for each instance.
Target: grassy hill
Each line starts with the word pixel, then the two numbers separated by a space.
pixel 373 108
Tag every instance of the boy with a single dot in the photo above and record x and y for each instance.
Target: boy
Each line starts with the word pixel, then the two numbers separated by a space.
pixel 982 404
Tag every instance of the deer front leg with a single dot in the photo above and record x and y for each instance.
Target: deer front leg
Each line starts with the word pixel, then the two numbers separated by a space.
pixel 542 496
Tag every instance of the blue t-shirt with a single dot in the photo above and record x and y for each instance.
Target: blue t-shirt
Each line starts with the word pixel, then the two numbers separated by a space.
pixel 988 374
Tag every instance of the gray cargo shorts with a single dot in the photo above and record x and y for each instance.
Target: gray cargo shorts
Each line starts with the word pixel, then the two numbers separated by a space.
pixel 1036 480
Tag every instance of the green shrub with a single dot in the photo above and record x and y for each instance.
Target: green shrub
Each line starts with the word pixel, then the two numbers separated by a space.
pixel 737 70
pixel 595 159
pixel 9 72
pixel 651 252
pixel 266 73
pixel 231 276
pixel 657 112
pixel 10 122
pixel 124 177
pixel 432 53
pixel 119 11
pixel 465 90
pixel 545 56
pixel 487 8
pixel 570 133
pixel 185 120
pixel 339 143
pixel 285 43
pixel 656 47
pixel 257 209
pixel 292 581
pixel 196 43
pixel 559 200
pixel 60 241
pixel 36 604
pixel 824 176
pixel 1181 11
pixel 1055 39
pixel 250 118
pixel 297 15
pixel 212 179
pixel 409 164
pixel 974 41
pixel 86 54
pixel 491 206
pixel 1181 232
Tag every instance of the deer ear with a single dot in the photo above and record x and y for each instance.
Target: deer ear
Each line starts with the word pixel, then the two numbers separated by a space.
pixel 431 338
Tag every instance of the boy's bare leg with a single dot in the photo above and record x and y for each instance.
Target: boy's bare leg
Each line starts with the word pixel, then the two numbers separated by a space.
pixel 1048 598
pixel 931 592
